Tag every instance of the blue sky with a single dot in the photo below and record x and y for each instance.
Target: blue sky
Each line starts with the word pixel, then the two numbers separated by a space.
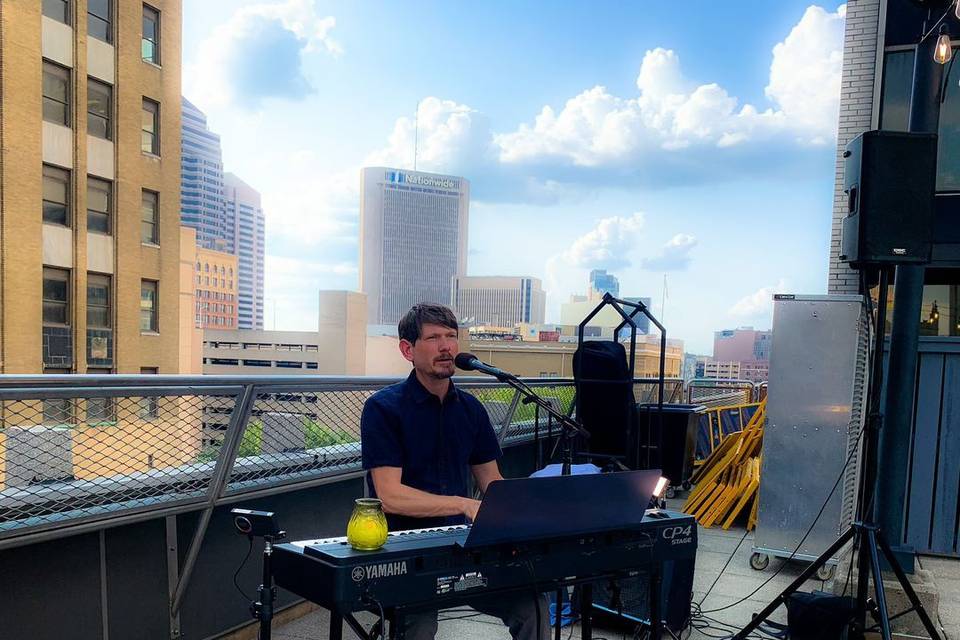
pixel 694 139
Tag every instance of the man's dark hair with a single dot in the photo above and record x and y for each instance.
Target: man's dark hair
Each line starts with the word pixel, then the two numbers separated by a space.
pixel 425 313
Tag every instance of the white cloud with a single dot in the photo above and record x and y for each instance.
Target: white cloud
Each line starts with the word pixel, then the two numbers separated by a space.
pixel 759 304
pixel 805 73
pixel 610 244
pixel 673 113
pixel 674 256
pixel 257 53
pixel 606 246
pixel 452 137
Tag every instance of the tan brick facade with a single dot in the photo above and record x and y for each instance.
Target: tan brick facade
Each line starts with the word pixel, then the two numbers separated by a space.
pixel 216 278
pixel 26 38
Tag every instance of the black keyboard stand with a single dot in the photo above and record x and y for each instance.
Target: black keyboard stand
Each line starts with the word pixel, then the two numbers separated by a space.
pixel 395 615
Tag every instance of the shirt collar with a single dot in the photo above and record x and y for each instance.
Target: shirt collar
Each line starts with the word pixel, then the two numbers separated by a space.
pixel 420 394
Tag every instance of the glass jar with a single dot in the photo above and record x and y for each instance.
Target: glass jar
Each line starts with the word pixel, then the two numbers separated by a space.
pixel 367 529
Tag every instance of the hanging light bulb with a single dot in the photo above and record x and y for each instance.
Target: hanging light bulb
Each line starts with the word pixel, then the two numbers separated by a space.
pixel 944 50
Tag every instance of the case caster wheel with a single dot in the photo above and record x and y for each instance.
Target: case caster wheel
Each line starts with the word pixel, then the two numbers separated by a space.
pixel 826 572
pixel 759 561
pixel 671 492
pixel 686 485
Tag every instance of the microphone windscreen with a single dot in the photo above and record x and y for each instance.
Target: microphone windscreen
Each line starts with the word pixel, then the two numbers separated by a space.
pixel 465 361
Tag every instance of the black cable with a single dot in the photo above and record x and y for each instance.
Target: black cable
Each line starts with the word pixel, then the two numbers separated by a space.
pixel 843 471
pixel 383 618
pixel 240 568
pixel 870 359
pixel 717 579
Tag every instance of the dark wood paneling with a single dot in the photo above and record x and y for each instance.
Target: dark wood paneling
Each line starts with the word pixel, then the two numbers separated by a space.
pixel 924 451
pixel 944 530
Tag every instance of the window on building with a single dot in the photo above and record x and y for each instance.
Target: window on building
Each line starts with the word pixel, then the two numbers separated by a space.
pixel 99 205
pixel 99 19
pixel 149 405
pixel 149 215
pixel 56 297
pixel 148 306
pixel 99 109
pixel 56 195
pixel 101 411
pixel 150 127
pixel 57 411
pixel 206 267
pixel 98 302
pixel 59 10
pixel 150 41
pixel 56 94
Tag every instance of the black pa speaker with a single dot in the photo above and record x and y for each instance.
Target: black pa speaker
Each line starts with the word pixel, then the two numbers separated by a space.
pixel 890 181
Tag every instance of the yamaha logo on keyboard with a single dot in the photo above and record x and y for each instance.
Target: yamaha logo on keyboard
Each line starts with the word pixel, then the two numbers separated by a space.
pixel 678 535
pixel 382 570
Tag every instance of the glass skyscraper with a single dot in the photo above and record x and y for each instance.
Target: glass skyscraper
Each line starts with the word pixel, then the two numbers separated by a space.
pixel 224 210
pixel 602 282
pixel 201 189
pixel 244 215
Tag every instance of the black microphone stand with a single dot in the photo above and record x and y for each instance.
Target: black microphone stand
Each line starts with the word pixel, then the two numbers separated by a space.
pixel 569 429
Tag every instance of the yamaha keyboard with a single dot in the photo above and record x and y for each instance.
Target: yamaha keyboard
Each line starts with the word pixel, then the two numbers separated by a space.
pixel 432 569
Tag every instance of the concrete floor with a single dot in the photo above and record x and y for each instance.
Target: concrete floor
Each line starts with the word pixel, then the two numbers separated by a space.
pixel 738 581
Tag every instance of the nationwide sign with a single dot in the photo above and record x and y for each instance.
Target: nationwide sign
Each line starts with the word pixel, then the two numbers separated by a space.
pixel 422 180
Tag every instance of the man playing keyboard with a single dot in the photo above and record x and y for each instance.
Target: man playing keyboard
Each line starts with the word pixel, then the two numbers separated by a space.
pixel 420 438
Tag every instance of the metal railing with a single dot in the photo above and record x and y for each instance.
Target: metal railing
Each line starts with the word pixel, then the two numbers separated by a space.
pixel 712 392
pixel 84 452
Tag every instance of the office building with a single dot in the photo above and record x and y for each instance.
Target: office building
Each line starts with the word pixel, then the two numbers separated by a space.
pixel 90 184
pixel 413 239
pixel 202 189
pixel 215 282
pixel 747 347
pixel 501 301
pixel 244 216
pixel 337 347
pixel 555 359
pixel 602 282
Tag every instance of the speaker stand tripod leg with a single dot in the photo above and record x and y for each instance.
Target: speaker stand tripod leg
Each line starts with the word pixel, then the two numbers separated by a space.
pixel 878 584
pixel 907 587
pixel 795 585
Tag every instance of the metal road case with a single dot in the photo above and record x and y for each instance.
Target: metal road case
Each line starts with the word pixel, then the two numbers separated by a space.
pixel 818 372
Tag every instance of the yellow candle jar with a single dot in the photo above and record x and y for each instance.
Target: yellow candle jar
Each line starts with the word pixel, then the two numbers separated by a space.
pixel 367 529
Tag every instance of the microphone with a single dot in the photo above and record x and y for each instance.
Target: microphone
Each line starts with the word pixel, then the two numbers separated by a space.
pixel 469 362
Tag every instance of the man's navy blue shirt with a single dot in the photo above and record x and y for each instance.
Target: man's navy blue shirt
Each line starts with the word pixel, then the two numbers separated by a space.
pixel 434 443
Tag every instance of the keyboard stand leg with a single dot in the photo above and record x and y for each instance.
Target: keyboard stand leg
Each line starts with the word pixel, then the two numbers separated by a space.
pixel 586 611
pixel 398 626
pixel 558 614
pixel 656 583
pixel 336 626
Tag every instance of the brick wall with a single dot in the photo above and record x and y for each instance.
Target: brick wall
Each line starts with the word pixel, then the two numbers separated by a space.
pixel 856 116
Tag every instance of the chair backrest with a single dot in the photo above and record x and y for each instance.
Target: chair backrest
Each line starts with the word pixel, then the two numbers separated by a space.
pixel 605 402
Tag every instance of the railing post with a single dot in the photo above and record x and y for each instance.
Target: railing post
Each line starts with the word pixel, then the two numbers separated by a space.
pixel 221 474
pixel 508 418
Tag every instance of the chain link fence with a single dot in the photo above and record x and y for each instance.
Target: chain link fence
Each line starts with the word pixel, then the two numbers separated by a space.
pixel 80 449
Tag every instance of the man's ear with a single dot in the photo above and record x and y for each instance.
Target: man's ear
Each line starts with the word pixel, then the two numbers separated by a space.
pixel 406 349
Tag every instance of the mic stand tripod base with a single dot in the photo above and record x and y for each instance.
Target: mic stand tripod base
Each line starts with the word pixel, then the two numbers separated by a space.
pixel 868 539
